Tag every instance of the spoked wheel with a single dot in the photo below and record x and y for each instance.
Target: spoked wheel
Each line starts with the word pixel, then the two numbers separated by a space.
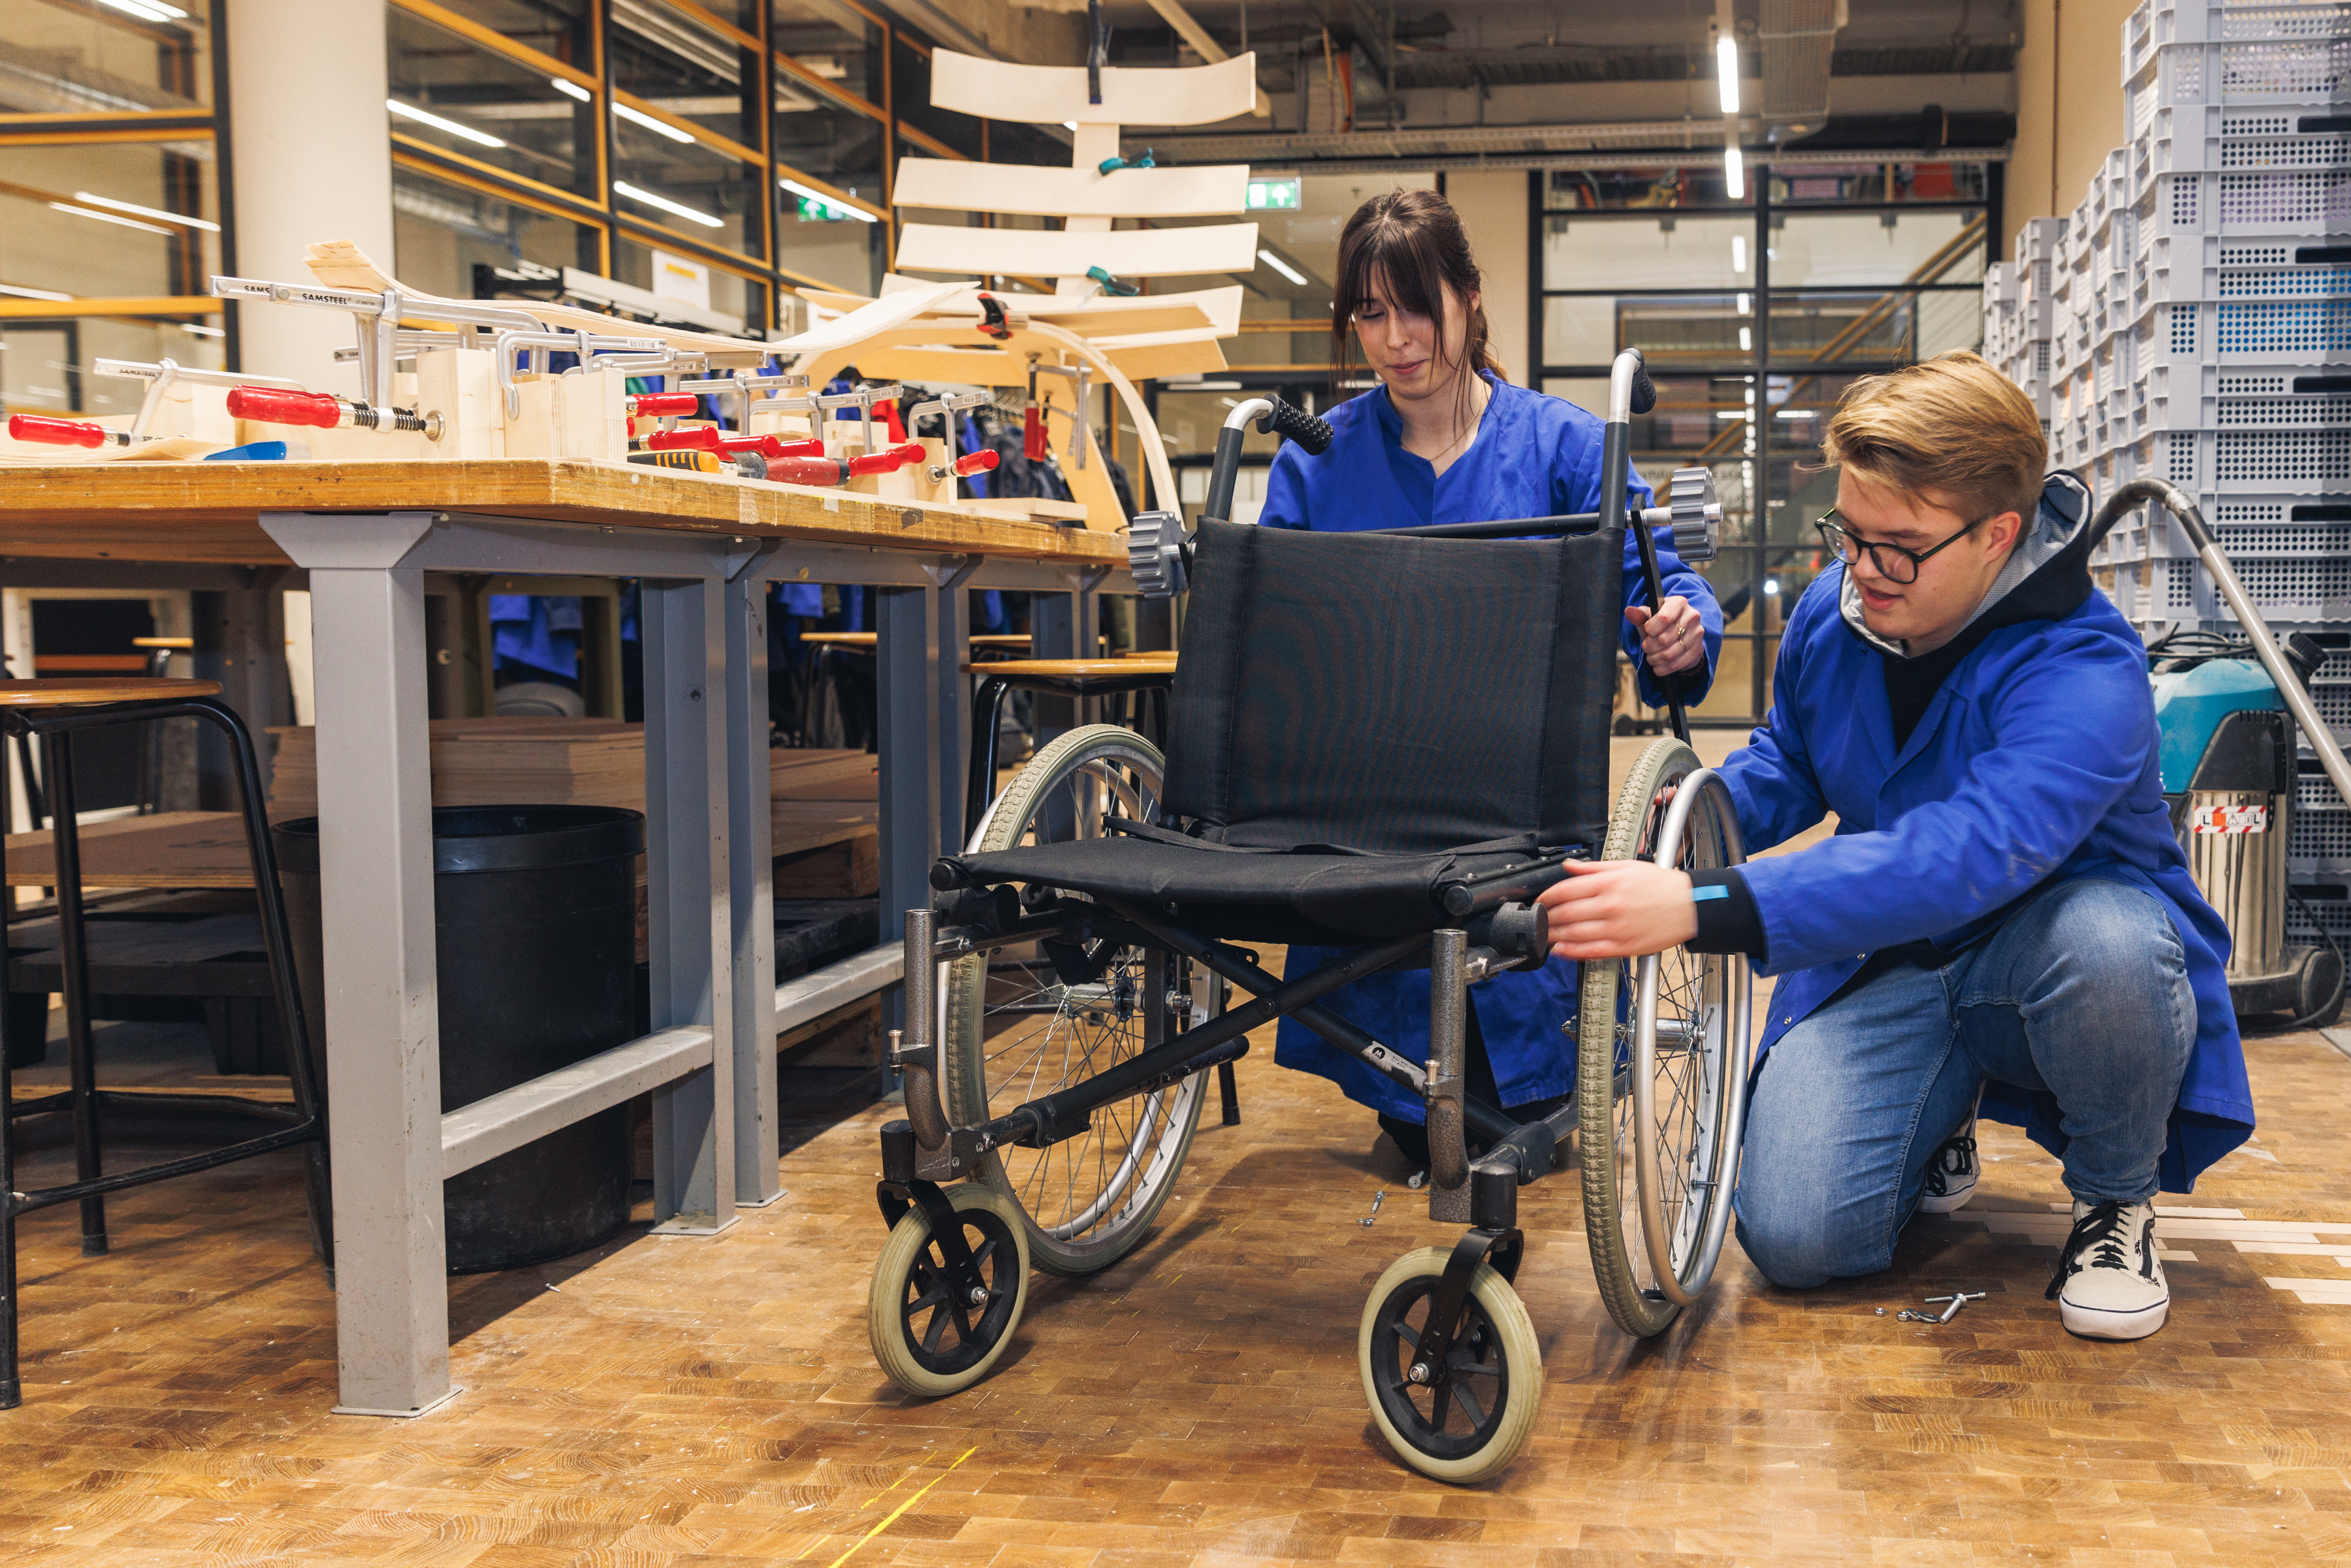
pixel 1471 1418
pixel 1662 1066
pixel 1015 1030
pixel 932 1335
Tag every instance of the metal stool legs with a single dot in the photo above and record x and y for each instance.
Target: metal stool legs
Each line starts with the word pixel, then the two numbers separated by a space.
pixel 304 1123
pixel 73 955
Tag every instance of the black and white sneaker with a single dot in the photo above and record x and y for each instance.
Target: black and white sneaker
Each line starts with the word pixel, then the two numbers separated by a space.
pixel 1951 1174
pixel 2108 1284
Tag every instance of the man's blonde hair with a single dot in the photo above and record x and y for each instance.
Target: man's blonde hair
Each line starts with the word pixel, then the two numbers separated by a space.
pixel 1952 429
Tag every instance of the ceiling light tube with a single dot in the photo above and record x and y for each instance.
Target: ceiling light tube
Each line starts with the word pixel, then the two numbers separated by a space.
pixel 1726 72
pixel 1282 268
pixel 1738 253
pixel 425 117
pixel 14 292
pixel 204 224
pixel 570 89
pixel 831 203
pixel 1734 172
pixel 203 331
pixel 658 127
pixel 624 188
pixel 109 218
pixel 147 10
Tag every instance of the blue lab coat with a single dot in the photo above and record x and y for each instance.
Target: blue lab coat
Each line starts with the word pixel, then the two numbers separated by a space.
pixel 2036 761
pixel 1534 455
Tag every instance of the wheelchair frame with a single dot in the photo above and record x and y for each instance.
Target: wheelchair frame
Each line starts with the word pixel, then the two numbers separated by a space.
pixel 1496 926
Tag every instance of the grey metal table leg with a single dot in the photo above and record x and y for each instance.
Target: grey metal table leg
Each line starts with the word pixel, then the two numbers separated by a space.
pixel 907 722
pixel 690 935
pixel 953 735
pixel 751 893
pixel 382 1025
pixel 1052 634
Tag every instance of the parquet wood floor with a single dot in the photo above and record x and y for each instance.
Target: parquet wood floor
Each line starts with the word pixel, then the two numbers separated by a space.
pixel 714 1402
pixel 693 1404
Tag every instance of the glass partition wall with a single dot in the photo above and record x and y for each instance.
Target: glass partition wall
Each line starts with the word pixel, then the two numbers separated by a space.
pixel 719 153
pixel 1754 315
pixel 109 200
pixel 724 152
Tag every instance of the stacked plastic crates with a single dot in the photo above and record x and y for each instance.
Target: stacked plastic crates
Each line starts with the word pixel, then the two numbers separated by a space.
pixel 2020 312
pixel 2232 378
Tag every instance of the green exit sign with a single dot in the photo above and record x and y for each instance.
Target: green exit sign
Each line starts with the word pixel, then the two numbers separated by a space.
pixel 812 211
pixel 1273 195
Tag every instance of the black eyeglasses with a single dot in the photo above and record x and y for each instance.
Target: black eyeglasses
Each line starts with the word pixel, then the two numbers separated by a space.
pixel 1888 561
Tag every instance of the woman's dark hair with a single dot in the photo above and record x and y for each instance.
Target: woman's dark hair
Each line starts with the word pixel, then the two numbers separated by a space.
pixel 1415 242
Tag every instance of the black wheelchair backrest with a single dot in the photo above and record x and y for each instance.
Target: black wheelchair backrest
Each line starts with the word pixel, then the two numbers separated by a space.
pixel 1397 696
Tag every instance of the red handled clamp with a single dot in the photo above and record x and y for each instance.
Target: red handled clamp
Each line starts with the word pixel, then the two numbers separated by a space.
pixel 325 411
pixel 43 431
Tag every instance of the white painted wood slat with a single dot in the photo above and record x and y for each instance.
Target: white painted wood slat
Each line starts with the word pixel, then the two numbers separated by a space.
pixel 1201 191
pixel 1050 95
pixel 1047 252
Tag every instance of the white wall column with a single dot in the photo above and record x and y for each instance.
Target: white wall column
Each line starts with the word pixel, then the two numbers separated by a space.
pixel 311 142
pixel 1493 208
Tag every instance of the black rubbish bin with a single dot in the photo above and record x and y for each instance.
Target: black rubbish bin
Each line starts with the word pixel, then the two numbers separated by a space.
pixel 536 941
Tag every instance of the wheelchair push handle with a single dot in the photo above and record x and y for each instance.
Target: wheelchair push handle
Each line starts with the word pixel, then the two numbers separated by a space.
pixel 1630 392
pixel 1271 416
pixel 1158 549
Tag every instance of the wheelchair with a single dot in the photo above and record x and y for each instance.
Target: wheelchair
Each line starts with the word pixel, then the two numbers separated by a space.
pixel 1380 743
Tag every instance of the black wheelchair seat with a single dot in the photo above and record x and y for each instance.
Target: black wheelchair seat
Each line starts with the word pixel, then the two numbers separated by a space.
pixel 1358 721
pixel 1318 895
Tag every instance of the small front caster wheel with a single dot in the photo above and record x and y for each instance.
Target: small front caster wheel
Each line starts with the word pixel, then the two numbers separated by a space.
pixel 932 1333
pixel 1463 1422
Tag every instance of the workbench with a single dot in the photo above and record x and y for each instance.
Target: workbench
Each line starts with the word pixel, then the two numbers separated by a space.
pixel 361 537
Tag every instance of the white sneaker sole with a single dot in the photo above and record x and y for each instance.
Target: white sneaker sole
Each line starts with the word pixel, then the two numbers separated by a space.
pixel 2094 1323
pixel 1948 1203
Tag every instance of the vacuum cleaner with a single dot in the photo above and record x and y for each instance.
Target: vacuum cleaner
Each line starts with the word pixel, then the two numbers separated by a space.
pixel 2226 712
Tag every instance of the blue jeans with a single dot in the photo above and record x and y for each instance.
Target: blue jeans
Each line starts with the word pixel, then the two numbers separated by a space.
pixel 2082 993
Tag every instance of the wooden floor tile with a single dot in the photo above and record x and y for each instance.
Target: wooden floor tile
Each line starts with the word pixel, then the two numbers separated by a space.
pixel 677 1404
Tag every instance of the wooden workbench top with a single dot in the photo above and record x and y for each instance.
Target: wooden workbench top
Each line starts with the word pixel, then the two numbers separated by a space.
pixel 210 512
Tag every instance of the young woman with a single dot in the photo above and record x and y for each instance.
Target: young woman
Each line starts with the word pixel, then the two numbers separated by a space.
pixel 1447 438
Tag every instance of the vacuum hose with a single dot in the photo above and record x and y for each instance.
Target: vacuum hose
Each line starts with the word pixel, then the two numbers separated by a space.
pixel 2265 645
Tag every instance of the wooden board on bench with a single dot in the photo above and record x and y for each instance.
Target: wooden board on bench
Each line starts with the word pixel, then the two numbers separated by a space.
pixel 170 849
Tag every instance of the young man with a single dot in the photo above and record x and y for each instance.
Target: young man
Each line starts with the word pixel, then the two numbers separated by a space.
pixel 2003 911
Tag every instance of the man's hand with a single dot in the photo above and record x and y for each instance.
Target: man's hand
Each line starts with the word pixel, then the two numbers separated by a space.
pixel 1619 909
pixel 1672 639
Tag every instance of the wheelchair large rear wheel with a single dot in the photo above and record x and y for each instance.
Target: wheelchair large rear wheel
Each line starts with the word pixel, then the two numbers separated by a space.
pixel 1015 1029
pixel 1662 1045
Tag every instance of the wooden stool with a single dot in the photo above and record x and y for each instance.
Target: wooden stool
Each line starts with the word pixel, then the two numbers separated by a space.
pixel 1074 678
pixel 54 711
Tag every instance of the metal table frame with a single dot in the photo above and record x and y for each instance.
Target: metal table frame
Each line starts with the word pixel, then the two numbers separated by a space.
pixel 710 1059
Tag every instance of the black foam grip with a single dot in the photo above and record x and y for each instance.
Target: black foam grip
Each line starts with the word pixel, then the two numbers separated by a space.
pixel 1644 391
pixel 1298 426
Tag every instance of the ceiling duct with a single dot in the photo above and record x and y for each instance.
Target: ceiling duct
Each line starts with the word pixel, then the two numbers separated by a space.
pixel 1798 38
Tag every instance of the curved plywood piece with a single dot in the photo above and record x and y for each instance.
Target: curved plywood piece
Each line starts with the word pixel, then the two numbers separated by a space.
pixel 873 316
pixel 929 365
pixel 1050 95
pixel 1203 192
pixel 1217 310
pixel 1058 253
pixel 339 264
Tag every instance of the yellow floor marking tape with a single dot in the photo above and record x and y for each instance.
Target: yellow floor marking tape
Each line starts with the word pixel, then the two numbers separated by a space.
pixel 902 1508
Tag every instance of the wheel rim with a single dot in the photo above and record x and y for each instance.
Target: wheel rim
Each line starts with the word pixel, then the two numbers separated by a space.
pixel 1456 1414
pixel 1685 1100
pixel 1040 1032
pixel 944 1331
